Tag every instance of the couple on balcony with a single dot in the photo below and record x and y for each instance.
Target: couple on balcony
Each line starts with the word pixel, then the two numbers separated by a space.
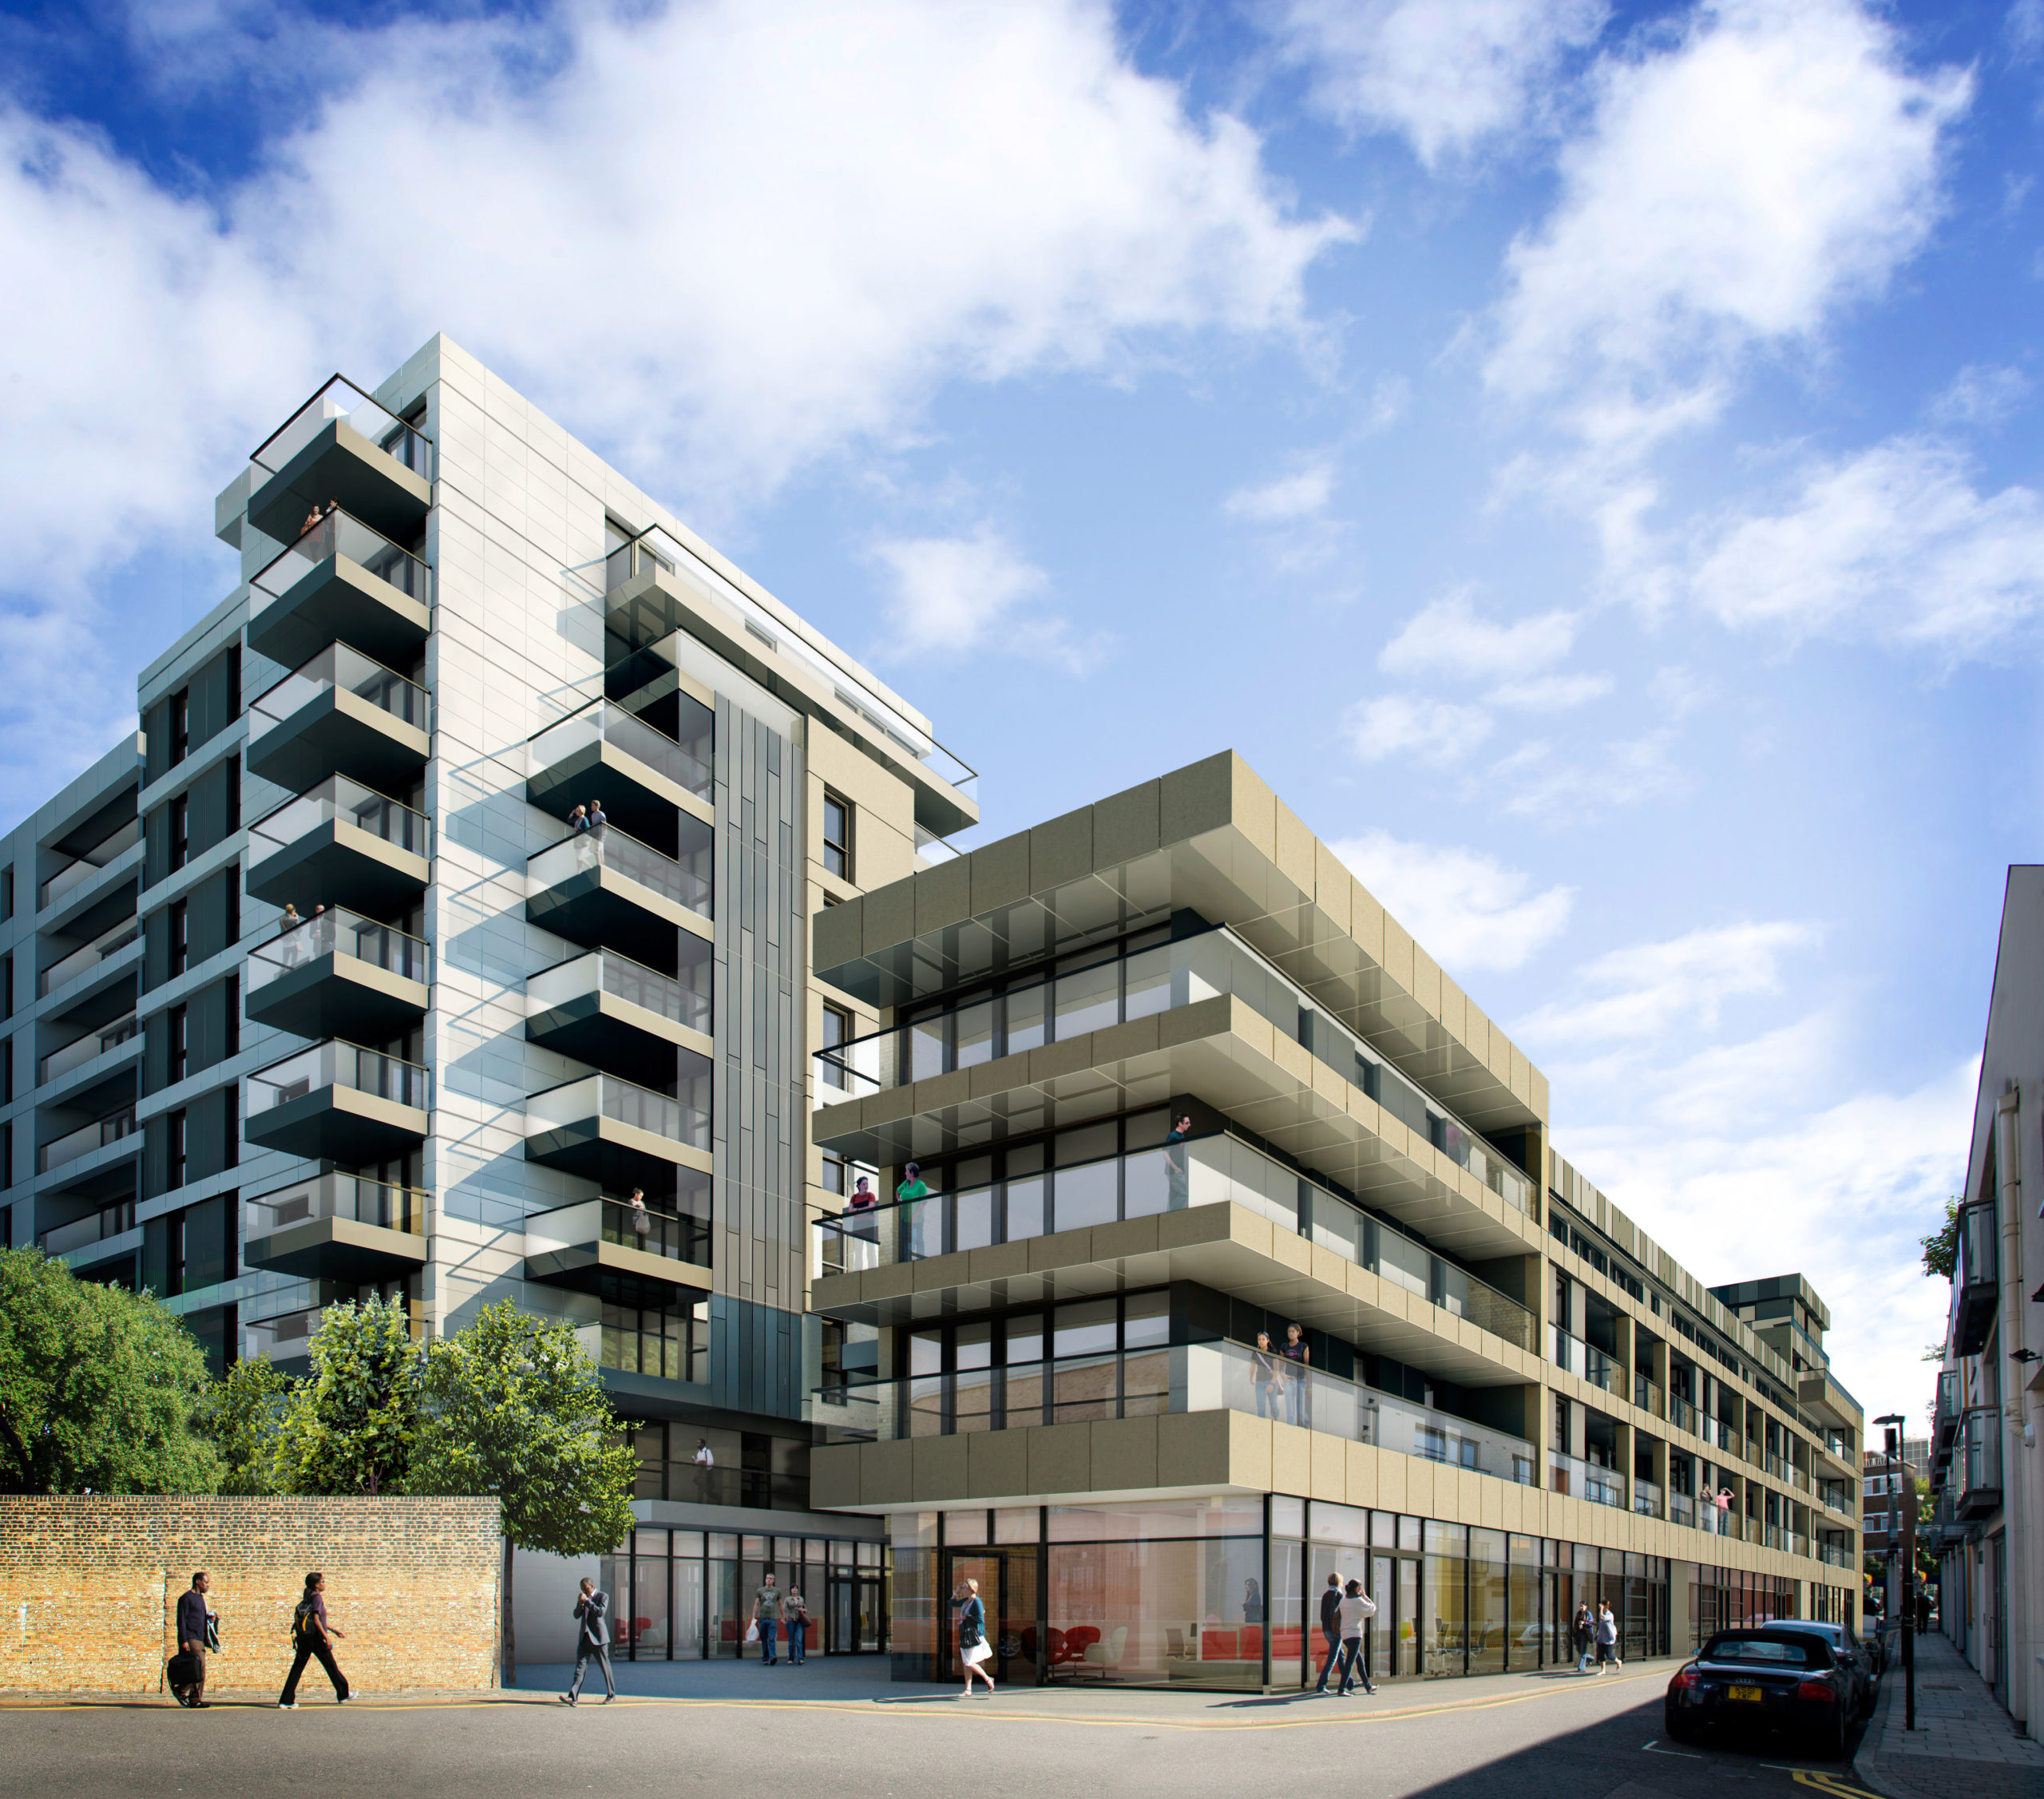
pixel 1282 1376
pixel 587 824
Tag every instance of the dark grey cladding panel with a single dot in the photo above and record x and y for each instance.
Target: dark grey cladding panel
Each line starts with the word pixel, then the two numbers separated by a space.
pixel 757 1127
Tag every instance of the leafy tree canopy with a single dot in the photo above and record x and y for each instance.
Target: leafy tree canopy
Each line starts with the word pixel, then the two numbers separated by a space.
pixel 99 1389
pixel 244 1415
pixel 347 1427
pixel 515 1407
pixel 1941 1247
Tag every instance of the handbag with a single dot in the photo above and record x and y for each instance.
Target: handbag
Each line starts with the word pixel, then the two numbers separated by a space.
pixel 183 1669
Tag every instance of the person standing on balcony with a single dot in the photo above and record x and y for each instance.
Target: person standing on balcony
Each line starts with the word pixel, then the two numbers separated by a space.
pixel 1267 1372
pixel 294 946
pixel 912 1192
pixel 863 1198
pixel 599 822
pixel 592 1638
pixel 706 1464
pixel 642 1221
pixel 1298 1408
pixel 1176 1186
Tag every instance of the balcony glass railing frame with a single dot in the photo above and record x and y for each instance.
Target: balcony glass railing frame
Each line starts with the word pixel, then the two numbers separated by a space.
pixel 1579 1478
pixel 340 667
pixel 339 1063
pixel 1150 973
pixel 606 1095
pixel 612 972
pixel 612 849
pixel 338 931
pixel 678 1237
pixel 1217 1167
pixel 403 443
pixel 1570 1354
pixel 73 1145
pixel 82 961
pixel 338 533
pixel 359 1198
pixel 609 721
pixel 102 1039
pixel 341 799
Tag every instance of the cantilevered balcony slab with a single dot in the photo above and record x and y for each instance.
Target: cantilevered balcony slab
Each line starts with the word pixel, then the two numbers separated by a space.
pixel 340 975
pixel 342 446
pixel 342 582
pixel 643 776
pixel 614 893
pixel 575 1246
pixel 342 713
pixel 337 1227
pixel 621 1136
pixel 1220 1050
pixel 340 844
pixel 338 1102
pixel 619 1016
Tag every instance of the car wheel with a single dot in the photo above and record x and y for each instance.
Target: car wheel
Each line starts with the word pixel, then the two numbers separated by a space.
pixel 1832 1740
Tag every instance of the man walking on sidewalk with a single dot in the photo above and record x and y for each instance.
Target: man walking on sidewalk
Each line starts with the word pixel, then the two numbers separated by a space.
pixel 1607 1637
pixel 767 1614
pixel 1330 1627
pixel 592 1637
pixel 193 1617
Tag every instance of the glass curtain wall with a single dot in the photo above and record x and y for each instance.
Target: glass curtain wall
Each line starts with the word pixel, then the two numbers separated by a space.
pixel 687 1595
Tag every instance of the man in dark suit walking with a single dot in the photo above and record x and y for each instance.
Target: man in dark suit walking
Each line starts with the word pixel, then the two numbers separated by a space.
pixel 193 1619
pixel 592 1637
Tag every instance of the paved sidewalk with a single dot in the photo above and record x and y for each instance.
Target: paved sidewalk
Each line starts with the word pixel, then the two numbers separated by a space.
pixel 1963 1743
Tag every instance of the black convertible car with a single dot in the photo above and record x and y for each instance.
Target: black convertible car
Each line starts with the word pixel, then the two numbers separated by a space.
pixel 1765 1678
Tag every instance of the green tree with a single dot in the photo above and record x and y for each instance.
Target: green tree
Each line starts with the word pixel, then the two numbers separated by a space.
pixel 243 1415
pixel 515 1407
pixel 99 1388
pixel 347 1427
pixel 1941 1247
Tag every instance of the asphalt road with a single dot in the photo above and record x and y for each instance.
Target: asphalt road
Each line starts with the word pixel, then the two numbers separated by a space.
pixel 1523 1738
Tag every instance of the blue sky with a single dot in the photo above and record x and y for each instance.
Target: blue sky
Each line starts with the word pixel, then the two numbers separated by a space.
pixel 1586 458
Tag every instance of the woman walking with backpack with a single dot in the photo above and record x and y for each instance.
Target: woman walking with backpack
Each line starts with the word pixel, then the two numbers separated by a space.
pixel 311 1635
pixel 974 1651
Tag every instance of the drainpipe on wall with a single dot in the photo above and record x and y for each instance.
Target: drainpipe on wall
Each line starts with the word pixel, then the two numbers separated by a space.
pixel 2017 1625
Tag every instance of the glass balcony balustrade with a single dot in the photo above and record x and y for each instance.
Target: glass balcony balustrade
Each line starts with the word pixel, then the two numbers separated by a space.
pixel 340 843
pixel 1681 1509
pixel 342 444
pixel 641 617
pixel 101 1132
pixel 1682 1414
pixel 559 754
pixel 345 1065
pixel 576 1104
pixel 1835 1554
pixel 1974 1478
pixel 610 851
pixel 1578 1359
pixel 1138 981
pixel 340 581
pixel 1590 1480
pixel 337 931
pixel 1169 1379
pixel 339 1101
pixel 95 1227
pixel 338 974
pixel 563 1245
pixel 337 1226
pixel 683 1000
pixel 342 712
pixel 81 962
pixel 1648 1500
pixel 356 1198
pixel 1209 1170
pixel 95 860
pixel 1976 1284
pixel 89 1048
pixel 1647 1396
pixel 1716 1520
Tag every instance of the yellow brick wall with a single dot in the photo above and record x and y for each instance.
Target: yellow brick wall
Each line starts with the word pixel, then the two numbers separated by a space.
pixel 88 1590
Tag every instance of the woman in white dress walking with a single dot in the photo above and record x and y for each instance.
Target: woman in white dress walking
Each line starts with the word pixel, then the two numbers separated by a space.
pixel 974 1651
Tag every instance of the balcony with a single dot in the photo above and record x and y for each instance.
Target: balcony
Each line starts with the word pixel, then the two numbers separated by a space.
pixel 611 892
pixel 575 1246
pixel 1139 981
pixel 1646 1499
pixel 619 1136
pixel 74 1146
pixel 1579 1359
pixel 337 1227
pixel 338 1102
pixel 1646 1395
pixel 1974 1480
pixel 1835 1554
pixel 1215 1169
pixel 342 446
pixel 1165 1381
pixel 1682 1414
pixel 656 586
pixel 618 1015
pixel 288 1337
pixel 1976 1280
pixel 1681 1509
pixel 101 1227
pixel 89 1048
pixel 93 863
pixel 341 844
pixel 642 776
pixel 341 714
pixel 1572 1476
pixel 338 974
pixel 88 961
pixel 341 582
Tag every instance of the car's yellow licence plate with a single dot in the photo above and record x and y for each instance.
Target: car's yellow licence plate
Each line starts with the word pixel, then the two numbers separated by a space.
pixel 1742 1693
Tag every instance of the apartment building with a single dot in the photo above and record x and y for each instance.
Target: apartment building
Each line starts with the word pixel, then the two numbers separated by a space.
pixel 1983 1442
pixel 1888 1489
pixel 320 990
pixel 1224 1248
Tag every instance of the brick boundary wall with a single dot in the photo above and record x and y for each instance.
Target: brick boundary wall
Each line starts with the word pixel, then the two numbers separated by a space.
pixel 88 1590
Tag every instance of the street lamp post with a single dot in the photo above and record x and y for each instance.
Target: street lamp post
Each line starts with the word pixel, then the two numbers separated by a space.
pixel 1893 1423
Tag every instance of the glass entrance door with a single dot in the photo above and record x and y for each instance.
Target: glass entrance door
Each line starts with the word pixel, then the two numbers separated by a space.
pixel 1007 1589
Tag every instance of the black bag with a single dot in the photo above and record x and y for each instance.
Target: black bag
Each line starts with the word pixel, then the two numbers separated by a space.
pixel 184 1669
pixel 968 1629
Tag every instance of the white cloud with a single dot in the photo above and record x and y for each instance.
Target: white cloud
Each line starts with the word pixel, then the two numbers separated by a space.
pixel 958 596
pixel 1638 994
pixel 1895 542
pixel 1303 493
pixel 1430 730
pixel 1446 73
pixel 1468 911
pixel 1447 637
pixel 1551 693
pixel 719 240
pixel 1981 395
pixel 1732 190
pixel 1539 782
